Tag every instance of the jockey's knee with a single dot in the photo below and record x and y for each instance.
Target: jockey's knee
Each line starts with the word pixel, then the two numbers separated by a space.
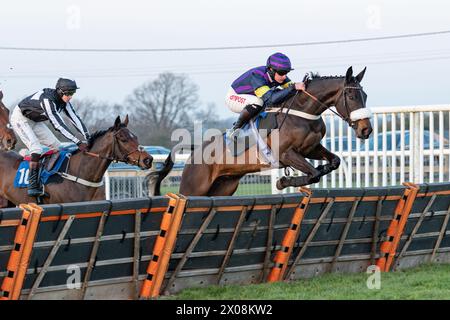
pixel 36 149
pixel 35 157
pixel 55 145
pixel 253 108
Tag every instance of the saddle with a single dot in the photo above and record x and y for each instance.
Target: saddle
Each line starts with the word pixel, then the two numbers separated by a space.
pixel 47 160
pixel 264 122
pixel 51 162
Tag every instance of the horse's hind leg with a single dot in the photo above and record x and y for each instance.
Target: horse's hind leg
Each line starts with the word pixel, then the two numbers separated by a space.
pixel 224 186
pixel 297 161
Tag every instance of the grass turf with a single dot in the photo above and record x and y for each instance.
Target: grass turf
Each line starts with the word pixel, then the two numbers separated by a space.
pixel 424 282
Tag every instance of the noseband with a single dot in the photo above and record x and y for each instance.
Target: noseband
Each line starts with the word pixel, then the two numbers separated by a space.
pixel 347 118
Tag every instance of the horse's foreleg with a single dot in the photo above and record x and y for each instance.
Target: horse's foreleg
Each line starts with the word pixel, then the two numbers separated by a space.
pixel 321 153
pixel 5 203
pixel 297 161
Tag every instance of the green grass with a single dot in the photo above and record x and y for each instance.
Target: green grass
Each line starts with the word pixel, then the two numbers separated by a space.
pixel 253 189
pixel 425 282
pixel 165 190
pixel 243 189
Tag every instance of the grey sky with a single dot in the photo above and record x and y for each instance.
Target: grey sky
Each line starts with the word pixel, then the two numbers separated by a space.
pixel 400 72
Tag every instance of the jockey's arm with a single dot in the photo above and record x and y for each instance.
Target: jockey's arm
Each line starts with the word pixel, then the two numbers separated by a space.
pixel 298 85
pixel 76 120
pixel 288 82
pixel 56 120
pixel 271 96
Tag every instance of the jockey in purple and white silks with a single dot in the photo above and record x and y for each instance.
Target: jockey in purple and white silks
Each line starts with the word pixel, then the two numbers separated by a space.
pixel 28 121
pixel 260 87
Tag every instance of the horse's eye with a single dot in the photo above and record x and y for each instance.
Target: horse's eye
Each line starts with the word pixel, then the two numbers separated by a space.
pixel 351 97
pixel 122 138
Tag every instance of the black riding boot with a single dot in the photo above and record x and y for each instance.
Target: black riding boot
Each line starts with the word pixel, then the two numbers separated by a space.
pixel 34 188
pixel 244 117
pixel 246 114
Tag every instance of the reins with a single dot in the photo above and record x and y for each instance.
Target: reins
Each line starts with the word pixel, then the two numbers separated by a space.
pixel 113 158
pixel 346 119
pixel 87 183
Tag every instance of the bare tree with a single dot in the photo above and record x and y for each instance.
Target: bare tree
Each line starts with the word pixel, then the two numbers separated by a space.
pixel 210 120
pixel 162 105
pixel 96 114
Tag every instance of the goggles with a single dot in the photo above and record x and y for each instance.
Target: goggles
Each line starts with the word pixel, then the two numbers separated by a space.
pixel 69 93
pixel 282 72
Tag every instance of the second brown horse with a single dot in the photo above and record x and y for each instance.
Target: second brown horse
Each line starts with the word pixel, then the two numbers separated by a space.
pixel 116 143
pixel 8 139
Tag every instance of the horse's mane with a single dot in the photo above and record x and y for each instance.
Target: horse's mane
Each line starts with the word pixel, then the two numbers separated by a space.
pixel 100 133
pixel 316 76
pixel 97 134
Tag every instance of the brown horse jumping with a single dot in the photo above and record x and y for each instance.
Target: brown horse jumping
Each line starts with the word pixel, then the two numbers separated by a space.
pixel 117 143
pixel 299 139
pixel 8 139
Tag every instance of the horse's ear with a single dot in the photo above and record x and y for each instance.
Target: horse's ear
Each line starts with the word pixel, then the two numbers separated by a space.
pixel 349 74
pixel 125 122
pixel 117 123
pixel 360 75
pixel 1 94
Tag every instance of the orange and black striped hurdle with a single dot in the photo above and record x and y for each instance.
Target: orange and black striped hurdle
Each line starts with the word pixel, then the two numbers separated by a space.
pixel 169 225
pixel 388 248
pixel 281 259
pixel 21 252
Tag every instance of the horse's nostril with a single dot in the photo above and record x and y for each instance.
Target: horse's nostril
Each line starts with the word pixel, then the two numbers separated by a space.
pixel 148 161
pixel 367 131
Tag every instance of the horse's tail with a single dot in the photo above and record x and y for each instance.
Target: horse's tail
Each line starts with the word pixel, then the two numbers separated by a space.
pixel 154 179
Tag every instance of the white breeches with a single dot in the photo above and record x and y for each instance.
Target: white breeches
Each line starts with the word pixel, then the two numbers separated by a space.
pixel 237 102
pixel 33 134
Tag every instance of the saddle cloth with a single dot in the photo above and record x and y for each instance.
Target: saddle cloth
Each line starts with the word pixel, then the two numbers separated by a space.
pixel 51 162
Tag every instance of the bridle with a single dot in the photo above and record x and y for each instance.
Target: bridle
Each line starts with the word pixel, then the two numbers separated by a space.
pixel 124 158
pixel 347 118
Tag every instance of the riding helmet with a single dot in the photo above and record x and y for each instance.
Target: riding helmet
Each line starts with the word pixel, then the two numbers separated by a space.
pixel 66 85
pixel 279 62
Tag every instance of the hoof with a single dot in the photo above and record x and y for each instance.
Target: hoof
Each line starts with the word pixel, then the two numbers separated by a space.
pixel 281 183
pixel 320 168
